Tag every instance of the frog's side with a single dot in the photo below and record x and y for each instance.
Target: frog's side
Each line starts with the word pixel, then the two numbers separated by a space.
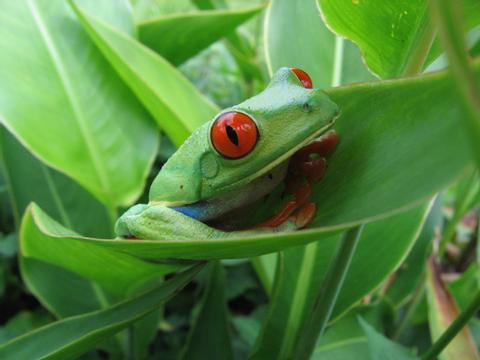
pixel 232 161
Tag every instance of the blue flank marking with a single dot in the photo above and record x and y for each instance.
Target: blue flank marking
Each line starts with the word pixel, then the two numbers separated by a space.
pixel 194 211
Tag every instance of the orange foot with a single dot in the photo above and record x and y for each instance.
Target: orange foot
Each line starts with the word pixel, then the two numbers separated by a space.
pixel 307 166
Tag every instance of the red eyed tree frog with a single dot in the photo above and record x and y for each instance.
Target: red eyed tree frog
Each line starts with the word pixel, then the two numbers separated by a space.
pixel 236 159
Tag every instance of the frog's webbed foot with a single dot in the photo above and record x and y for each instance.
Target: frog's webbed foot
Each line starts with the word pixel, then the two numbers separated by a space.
pixel 307 166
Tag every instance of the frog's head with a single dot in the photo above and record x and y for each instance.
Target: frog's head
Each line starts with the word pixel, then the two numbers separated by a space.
pixel 245 141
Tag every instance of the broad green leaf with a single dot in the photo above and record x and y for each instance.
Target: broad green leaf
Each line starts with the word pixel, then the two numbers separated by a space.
pixel 209 336
pixel 300 276
pixel 21 323
pixel 394 37
pixel 385 130
pixel 67 106
pixel 448 17
pixel 179 37
pixel 382 348
pixel 175 103
pixel 62 292
pixel 442 310
pixel 304 41
pixel 392 114
pixel 282 29
pixel 31 180
pixel 147 9
pixel 73 336
pixel 63 199
pixel 123 274
pixel 239 44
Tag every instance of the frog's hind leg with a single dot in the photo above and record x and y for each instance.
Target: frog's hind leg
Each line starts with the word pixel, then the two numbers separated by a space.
pixel 307 166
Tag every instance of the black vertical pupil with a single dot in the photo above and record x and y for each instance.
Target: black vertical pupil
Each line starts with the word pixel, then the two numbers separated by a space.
pixel 232 134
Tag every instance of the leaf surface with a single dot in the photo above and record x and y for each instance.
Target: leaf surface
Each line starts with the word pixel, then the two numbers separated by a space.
pixel 62 100
pixel 181 36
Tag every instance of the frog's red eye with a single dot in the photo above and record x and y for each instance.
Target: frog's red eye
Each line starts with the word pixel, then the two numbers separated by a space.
pixel 303 77
pixel 234 134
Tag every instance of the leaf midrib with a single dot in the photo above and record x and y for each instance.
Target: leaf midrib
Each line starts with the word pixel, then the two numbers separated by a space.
pixel 70 94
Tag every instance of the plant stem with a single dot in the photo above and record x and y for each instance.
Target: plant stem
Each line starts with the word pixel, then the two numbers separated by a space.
pixel 130 353
pixel 455 327
pixel 451 30
pixel 414 64
pixel 328 294
pixel 412 305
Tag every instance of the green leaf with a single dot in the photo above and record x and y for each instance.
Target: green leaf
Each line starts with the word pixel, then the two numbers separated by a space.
pixel 381 348
pixel 147 9
pixel 58 195
pixel 73 336
pixel 62 292
pixel 179 37
pixel 175 103
pixel 21 323
pixel 304 41
pixel 385 130
pixel 394 37
pixel 399 122
pixel 300 276
pixel 77 115
pixel 209 336
pixel 442 311
pixel 125 272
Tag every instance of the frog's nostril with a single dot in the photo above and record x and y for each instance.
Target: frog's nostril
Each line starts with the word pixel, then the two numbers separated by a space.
pixel 306 107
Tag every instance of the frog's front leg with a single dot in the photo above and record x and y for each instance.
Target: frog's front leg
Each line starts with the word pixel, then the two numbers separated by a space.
pixel 164 223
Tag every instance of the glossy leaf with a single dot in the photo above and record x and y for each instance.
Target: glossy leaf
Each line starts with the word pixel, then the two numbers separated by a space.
pixel 294 293
pixel 209 336
pixel 62 292
pixel 77 115
pixel 59 196
pixel 319 65
pixel 304 41
pixel 397 117
pixel 179 37
pixel 175 103
pixel 442 310
pixel 394 37
pixel 362 172
pixel 73 336
pixel 125 272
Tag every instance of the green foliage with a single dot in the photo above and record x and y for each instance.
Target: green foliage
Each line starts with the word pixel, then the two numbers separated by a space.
pixel 88 88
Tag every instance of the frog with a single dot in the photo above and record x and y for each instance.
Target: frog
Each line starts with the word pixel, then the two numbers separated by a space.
pixel 238 158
